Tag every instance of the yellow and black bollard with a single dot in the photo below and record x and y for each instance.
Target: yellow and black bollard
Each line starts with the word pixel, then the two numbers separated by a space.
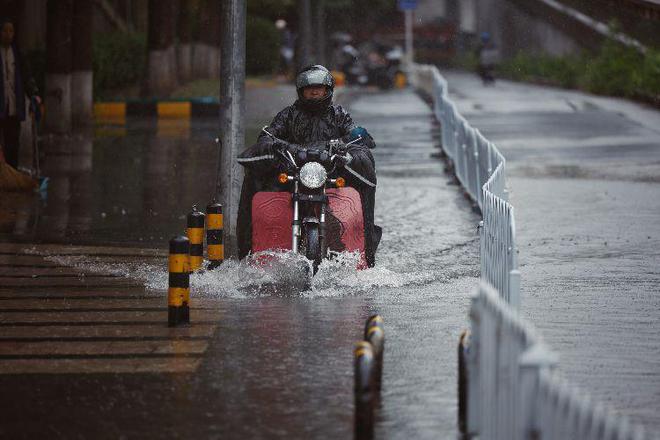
pixel 195 233
pixel 364 390
pixel 178 294
pixel 214 226
pixel 374 333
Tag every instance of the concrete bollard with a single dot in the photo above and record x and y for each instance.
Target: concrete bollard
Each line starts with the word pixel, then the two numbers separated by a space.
pixel 463 347
pixel 374 333
pixel 195 233
pixel 214 226
pixel 178 293
pixel 364 390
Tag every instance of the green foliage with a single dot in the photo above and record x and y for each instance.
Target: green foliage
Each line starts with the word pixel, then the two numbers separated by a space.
pixel 262 46
pixel 273 9
pixel 650 73
pixel 119 60
pixel 615 70
pixel 562 71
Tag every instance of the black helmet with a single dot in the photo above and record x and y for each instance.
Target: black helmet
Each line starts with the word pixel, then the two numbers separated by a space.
pixel 315 75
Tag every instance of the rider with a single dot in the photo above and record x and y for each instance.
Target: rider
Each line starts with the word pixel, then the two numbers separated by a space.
pixel 311 118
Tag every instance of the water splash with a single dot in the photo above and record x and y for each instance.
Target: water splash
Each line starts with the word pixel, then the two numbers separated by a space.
pixel 269 273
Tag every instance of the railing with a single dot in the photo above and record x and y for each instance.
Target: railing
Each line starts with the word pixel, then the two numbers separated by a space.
pixel 514 392
pixel 510 389
pixel 479 167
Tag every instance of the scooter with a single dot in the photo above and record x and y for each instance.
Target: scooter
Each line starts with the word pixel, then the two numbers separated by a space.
pixel 315 214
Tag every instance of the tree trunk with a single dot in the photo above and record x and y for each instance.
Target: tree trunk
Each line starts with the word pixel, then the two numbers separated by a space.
pixel 200 48
pixel 184 48
pixel 161 66
pixel 304 44
pixel 82 94
pixel 318 26
pixel 58 67
pixel 213 40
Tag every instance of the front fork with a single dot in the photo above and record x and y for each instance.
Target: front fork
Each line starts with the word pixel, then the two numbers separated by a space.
pixel 296 226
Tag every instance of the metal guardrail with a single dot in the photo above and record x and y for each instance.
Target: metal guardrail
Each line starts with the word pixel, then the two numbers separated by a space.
pixel 479 167
pixel 511 389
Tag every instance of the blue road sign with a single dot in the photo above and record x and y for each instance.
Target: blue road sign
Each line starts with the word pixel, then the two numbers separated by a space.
pixel 405 5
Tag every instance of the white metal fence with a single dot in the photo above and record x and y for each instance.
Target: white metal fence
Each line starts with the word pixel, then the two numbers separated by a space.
pixel 513 392
pixel 479 167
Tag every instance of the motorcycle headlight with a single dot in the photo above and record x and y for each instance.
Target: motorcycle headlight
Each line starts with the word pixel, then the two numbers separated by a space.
pixel 313 175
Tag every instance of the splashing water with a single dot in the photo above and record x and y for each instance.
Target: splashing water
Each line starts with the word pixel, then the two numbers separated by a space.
pixel 275 273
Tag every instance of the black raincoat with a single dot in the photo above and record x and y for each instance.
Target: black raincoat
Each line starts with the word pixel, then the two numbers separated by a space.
pixel 297 126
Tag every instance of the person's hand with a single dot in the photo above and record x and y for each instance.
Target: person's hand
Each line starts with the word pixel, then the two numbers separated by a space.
pixel 342 159
pixel 287 146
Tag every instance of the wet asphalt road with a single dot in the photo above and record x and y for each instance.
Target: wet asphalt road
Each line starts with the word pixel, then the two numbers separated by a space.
pixel 272 365
pixel 584 175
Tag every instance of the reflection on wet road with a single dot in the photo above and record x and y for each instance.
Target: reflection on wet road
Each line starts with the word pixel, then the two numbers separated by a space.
pixel 276 365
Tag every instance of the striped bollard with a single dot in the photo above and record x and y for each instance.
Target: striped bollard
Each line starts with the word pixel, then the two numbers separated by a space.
pixel 178 293
pixel 195 233
pixel 374 333
pixel 463 347
pixel 364 390
pixel 214 226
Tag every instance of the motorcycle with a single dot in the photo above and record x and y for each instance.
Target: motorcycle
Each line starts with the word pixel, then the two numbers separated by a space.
pixel 315 214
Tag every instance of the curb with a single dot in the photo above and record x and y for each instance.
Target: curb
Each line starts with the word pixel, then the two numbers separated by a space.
pixel 166 109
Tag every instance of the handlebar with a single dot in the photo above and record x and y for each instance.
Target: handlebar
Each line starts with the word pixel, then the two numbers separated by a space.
pixel 331 151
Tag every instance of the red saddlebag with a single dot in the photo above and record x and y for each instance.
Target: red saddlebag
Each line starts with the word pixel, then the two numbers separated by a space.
pixel 272 214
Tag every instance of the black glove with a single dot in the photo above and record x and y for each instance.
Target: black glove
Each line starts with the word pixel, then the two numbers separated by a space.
pixel 342 159
pixel 286 146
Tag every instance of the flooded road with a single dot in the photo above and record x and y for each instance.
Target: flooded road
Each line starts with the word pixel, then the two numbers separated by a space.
pixel 274 364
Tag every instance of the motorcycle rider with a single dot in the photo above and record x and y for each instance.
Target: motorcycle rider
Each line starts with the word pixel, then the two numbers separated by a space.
pixel 311 118
pixel 487 55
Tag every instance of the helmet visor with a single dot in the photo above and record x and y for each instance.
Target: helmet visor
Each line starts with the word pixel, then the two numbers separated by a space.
pixel 314 77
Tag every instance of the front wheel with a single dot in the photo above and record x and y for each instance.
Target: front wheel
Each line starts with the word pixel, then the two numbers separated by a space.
pixel 313 245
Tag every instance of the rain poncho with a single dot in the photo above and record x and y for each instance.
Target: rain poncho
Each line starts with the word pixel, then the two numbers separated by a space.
pixel 297 126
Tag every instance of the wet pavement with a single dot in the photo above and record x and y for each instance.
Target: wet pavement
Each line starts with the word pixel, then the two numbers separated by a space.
pixel 84 349
pixel 584 175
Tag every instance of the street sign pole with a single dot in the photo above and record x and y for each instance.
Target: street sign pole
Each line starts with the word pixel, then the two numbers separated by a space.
pixel 408 6
pixel 409 38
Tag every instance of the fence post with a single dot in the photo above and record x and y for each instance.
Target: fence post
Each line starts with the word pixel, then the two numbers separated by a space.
pixel 535 359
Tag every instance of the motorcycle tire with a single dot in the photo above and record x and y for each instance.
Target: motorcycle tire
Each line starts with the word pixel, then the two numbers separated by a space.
pixel 313 247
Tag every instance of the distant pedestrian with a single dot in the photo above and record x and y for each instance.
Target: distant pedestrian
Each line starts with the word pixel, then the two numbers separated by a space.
pixel 16 82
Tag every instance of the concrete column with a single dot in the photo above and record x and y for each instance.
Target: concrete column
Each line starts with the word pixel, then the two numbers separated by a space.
pixel 58 66
pixel 82 99
pixel 232 116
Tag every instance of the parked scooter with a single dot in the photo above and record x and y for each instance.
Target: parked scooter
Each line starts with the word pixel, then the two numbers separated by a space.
pixel 297 218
